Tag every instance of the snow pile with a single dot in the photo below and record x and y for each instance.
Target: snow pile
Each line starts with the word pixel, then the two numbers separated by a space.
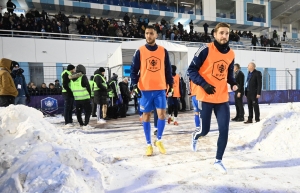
pixel 35 156
pixel 276 135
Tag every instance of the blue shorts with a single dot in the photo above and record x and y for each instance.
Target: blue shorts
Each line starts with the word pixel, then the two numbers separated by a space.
pixel 195 104
pixel 151 100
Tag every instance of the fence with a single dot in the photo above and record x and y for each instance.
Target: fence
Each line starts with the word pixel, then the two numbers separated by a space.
pixel 78 37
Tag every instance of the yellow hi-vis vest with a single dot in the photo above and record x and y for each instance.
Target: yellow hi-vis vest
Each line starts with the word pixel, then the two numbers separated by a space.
pixel 62 85
pixel 79 92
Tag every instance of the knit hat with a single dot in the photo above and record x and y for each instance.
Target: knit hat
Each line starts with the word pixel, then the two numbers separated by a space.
pixel 101 69
pixel 70 67
pixel 14 64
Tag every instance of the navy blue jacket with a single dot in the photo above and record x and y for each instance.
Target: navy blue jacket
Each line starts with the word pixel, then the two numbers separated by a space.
pixel 198 61
pixel 136 63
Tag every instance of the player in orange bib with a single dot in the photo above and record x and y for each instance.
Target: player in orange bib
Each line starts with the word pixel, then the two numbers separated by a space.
pixel 173 100
pixel 211 69
pixel 150 75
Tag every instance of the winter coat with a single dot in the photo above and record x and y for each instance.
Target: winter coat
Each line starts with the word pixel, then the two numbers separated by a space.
pixel 7 85
pixel 100 96
pixel 125 93
pixel 81 71
pixel 20 82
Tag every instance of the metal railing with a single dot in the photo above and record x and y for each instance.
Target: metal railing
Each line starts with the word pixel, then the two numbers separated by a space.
pixel 78 37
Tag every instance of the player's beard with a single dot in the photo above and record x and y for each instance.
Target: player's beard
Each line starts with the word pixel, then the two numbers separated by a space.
pixel 150 42
pixel 222 42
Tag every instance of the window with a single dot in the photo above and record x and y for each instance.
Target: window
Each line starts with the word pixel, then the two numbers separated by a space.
pixel 226 9
pixel 256 12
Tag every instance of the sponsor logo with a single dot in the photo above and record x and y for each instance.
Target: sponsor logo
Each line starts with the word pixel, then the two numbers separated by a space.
pixel 219 69
pixel 153 64
pixel 49 104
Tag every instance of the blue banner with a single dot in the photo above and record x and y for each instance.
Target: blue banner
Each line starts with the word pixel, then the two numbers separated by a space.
pixel 54 104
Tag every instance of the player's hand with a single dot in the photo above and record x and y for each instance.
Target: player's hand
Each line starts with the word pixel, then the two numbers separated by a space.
pixel 209 89
pixel 170 91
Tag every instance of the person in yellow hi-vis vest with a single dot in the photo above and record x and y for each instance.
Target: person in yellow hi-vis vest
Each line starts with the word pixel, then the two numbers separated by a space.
pixel 94 105
pixel 212 69
pixel 100 94
pixel 80 87
pixel 68 95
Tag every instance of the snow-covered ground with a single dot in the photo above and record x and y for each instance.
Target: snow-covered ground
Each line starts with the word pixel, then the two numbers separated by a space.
pixel 39 155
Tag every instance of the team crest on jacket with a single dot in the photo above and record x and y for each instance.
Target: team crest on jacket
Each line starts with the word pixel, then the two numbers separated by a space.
pixel 153 64
pixel 219 68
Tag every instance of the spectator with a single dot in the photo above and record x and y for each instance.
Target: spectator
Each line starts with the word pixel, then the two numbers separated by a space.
pixel 32 90
pixel 180 27
pixel 10 7
pixel 56 84
pixel 52 90
pixel 133 20
pixel 8 90
pixel 146 21
pixel 250 35
pixel 205 26
pixel 44 89
pixel 191 26
pixel 275 36
pixel 284 35
pixel 254 41
pixel 20 83
pixel 126 19
pixel 125 93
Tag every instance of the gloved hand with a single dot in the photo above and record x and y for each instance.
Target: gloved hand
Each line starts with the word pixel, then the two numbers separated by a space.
pixel 137 91
pixel 28 99
pixel 209 89
pixel 170 91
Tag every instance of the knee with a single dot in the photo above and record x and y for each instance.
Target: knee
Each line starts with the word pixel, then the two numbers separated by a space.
pixel 146 117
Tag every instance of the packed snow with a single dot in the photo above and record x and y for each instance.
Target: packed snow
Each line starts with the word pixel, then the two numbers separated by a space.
pixel 39 155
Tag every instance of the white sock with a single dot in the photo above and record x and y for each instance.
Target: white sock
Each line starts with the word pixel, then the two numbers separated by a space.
pixel 175 119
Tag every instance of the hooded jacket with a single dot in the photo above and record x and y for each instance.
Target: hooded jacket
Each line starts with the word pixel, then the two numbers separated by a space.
pixel 81 71
pixel 19 79
pixel 100 96
pixel 7 85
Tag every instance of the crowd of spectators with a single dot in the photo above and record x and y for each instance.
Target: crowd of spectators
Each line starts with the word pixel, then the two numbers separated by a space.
pixel 35 21
pixel 134 28
pixel 53 89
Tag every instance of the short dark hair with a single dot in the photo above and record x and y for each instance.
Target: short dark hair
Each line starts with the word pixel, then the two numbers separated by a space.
pixel 237 65
pixel 150 27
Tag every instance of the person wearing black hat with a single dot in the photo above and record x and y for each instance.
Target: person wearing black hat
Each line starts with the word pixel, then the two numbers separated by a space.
pixel 20 83
pixel 67 94
pixel 100 94
pixel 56 84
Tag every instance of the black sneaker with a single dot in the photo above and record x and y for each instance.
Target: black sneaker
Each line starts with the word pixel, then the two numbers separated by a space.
pixel 258 120
pixel 234 119
pixel 240 120
pixel 155 132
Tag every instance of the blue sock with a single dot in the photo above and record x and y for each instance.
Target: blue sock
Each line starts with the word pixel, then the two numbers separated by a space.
pixel 160 127
pixel 147 131
pixel 197 120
